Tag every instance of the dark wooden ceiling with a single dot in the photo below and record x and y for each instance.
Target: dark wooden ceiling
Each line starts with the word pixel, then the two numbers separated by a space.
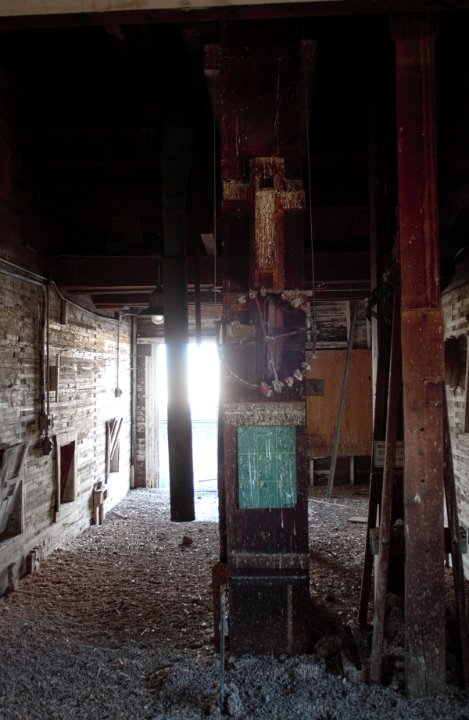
pixel 83 107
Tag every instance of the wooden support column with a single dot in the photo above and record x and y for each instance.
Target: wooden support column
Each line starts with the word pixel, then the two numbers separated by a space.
pixel 263 539
pixel 422 354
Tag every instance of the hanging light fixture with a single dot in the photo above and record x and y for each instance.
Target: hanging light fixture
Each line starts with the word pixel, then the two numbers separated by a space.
pixel 155 309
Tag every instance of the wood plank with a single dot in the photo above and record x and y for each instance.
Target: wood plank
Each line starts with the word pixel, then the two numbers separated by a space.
pixel 115 430
pixel 418 196
pixel 12 461
pixel 376 481
pixel 343 399
pixel 11 488
pixel 422 353
pixel 322 410
pixel 456 555
pixel 71 13
pixel 379 430
pixel 423 500
pixel 424 569
pixel 385 526
pixel 87 398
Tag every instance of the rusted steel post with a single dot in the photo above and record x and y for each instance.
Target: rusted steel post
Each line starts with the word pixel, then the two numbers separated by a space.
pixel 422 353
pixel 175 163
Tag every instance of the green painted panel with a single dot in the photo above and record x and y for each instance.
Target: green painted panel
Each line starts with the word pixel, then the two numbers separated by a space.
pixel 266 467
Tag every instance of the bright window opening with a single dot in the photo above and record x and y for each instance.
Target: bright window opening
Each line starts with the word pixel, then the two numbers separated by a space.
pixel 204 372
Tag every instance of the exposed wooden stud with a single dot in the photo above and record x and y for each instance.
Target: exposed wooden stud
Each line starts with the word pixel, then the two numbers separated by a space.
pixel 379 423
pixel 373 503
pixel 343 397
pixel 385 525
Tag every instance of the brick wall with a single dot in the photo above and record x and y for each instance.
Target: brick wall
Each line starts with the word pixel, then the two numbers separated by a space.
pixel 85 349
pixel 455 304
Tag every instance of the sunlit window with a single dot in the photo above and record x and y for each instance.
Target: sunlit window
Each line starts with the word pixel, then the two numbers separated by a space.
pixel 203 365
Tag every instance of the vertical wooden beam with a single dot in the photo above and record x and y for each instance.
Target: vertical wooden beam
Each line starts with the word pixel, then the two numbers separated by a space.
pixel 422 353
pixel 381 188
pixel 385 526
pixel 343 398
pixel 376 475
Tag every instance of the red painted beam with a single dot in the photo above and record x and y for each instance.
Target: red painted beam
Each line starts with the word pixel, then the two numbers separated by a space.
pixel 422 354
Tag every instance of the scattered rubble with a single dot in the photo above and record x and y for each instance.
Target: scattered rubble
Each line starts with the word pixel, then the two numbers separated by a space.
pixel 118 626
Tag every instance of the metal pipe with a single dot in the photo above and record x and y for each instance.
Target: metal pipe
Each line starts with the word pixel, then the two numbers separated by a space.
pixel 175 164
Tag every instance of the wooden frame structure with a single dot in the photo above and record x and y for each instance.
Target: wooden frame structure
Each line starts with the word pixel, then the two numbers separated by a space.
pixel 422 353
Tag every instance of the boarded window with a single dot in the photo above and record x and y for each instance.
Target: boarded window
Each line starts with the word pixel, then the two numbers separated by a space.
pixel 67 473
pixel 11 490
pixel 112 445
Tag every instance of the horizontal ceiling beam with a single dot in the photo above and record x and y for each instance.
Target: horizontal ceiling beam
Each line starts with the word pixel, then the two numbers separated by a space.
pixel 140 299
pixel 120 274
pixel 117 282
pixel 16 14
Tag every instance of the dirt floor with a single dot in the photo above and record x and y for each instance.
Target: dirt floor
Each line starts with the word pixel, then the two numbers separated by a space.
pixel 118 626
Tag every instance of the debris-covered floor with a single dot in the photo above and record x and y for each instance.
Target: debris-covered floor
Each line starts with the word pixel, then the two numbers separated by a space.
pixel 118 626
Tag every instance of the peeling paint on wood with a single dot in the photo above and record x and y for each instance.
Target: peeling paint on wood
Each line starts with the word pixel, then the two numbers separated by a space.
pixel 281 413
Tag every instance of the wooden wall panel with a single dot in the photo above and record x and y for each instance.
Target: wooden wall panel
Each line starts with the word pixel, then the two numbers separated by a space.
pixel 332 321
pixel 455 305
pixel 86 347
pixel 147 419
pixel 322 410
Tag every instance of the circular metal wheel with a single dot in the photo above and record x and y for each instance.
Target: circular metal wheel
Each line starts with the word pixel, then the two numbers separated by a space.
pixel 262 339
